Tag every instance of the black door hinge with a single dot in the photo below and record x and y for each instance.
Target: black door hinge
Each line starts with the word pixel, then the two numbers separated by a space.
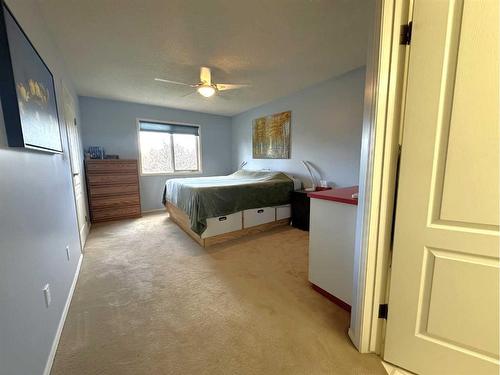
pixel 383 309
pixel 405 36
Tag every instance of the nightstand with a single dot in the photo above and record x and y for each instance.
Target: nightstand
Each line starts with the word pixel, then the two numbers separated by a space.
pixel 301 204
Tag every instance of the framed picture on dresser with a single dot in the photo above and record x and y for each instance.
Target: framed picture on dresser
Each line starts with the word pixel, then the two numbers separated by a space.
pixel 27 90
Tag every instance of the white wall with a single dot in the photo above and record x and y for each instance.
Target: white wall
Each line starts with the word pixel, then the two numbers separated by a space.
pixel 113 125
pixel 325 130
pixel 37 221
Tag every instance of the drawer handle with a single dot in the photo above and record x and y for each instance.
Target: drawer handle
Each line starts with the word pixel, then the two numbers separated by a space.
pixel 260 211
pixel 222 218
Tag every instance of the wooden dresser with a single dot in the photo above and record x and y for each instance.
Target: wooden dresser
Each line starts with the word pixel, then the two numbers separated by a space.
pixel 113 189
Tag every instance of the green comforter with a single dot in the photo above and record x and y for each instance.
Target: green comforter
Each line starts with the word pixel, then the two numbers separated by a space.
pixel 204 197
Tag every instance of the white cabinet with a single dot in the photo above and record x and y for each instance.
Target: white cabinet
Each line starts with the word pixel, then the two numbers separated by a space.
pixel 331 247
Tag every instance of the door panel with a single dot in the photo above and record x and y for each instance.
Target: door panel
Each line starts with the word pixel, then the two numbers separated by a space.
pixel 444 292
pixel 467 274
pixel 473 97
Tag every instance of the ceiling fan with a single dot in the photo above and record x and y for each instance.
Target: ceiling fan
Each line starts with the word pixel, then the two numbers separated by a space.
pixel 206 87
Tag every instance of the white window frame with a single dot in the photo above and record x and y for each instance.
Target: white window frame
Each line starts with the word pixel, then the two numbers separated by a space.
pixel 175 172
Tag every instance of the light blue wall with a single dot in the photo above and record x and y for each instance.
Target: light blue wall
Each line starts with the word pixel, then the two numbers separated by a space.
pixel 113 125
pixel 325 130
pixel 37 221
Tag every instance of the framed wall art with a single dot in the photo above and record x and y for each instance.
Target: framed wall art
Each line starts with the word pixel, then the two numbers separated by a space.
pixel 27 90
pixel 271 136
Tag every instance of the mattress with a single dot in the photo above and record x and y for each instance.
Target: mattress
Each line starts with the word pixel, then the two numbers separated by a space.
pixel 204 197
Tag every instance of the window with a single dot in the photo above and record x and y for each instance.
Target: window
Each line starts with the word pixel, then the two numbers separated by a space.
pixel 169 148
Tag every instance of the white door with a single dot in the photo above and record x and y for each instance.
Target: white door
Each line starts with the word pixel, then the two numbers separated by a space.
pixel 444 291
pixel 76 156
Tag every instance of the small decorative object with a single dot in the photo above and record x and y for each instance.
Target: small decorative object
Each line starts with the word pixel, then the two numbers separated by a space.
pixel 313 181
pixel 111 157
pixel 271 136
pixel 96 152
pixel 27 90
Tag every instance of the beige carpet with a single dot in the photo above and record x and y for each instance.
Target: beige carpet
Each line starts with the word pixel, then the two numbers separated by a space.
pixel 151 301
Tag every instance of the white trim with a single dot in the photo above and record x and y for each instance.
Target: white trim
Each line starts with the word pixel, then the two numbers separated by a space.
pixel 84 233
pixel 55 343
pixel 68 100
pixel 153 211
pixel 175 173
pixel 383 100
pixel 356 328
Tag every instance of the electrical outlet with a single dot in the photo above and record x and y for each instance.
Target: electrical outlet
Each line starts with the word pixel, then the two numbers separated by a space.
pixel 68 255
pixel 46 295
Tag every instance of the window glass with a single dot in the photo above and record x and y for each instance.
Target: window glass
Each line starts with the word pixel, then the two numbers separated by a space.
pixel 185 152
pixel 168 148
pixel 156 152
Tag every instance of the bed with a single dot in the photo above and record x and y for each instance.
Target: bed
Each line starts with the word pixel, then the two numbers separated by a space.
pixel 221 208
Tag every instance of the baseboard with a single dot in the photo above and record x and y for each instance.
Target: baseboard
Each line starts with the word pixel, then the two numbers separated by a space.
pixel 153 211
pixel 332 298
pixel 55 343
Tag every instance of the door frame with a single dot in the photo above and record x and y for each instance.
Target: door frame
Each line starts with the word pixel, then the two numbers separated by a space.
pixel 380 145
pixel 68 100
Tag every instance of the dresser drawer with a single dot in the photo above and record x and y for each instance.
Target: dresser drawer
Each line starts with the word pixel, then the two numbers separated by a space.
pixel 110 179
pixel 113 189
pixel 115 201
pixel 110 190
pixel 111 166
pixel 258 216
pixel 111 213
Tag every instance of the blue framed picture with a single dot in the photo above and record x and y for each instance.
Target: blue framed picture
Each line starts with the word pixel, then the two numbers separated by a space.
pixel 27 90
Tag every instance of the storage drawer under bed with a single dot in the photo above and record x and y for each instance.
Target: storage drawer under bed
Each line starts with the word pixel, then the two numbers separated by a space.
pixel 283 212
pixel 223 224
pixel 258 216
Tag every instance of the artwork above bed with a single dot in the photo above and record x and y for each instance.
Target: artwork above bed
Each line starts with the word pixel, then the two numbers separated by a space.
pixel 27 90
pixel 271 136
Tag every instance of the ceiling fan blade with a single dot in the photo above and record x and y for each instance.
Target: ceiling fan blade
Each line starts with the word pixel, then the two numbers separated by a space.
pixel 187 94
pixel 173 82
pixel 205 75
pixel 230 86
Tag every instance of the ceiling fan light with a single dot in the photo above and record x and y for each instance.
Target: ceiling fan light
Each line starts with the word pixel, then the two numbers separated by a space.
pixel 206 91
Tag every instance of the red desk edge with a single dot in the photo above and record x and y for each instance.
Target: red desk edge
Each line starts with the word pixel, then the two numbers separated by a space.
pixel 342 195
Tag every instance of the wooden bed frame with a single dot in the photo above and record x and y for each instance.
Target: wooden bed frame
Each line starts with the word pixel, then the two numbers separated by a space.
pixel 182 220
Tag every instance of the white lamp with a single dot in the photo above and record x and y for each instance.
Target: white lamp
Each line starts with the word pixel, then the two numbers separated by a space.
pixel 206 90
pixel 313 181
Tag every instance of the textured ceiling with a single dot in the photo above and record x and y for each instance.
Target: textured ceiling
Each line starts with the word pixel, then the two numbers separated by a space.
pixel 115 48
